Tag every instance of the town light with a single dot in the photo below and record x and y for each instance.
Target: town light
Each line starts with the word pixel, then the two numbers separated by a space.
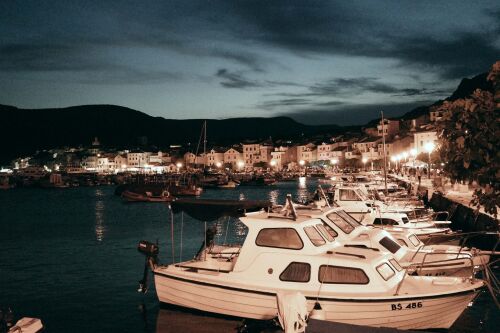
pixel 405 155
pixel 179 165
pixel 241 164
pixel 272 163
pixel 334 161
pixel 393 158
pixel 302 162
pixel 413 152
pixel 429 147
pixel 364 160
pixel 218 164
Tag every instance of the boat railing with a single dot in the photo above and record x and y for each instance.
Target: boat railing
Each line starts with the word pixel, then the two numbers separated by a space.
pixel 424 264
pixel 416 266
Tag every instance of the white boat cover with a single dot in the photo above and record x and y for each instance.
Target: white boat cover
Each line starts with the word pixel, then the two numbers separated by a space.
pixel 27 325
pixel 292 311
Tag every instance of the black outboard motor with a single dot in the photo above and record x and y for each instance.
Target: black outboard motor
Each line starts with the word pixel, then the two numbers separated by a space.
pixel 150 250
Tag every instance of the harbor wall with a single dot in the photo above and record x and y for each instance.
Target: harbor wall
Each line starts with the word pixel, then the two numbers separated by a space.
pixel 467 219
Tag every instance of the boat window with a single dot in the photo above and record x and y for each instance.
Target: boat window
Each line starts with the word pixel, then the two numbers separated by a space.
pixel 396 264
pixel 340 222
pixel 351 220
pixel 389 244
pixel 405 219
pixel 348 195
pixel 327 231
pixel 314 236
pixel 384 221
pixel 361 195
pixel 385 271
pixel 414 240
pixel 284 238
pixel 402 242
pixel 296 272
pixel 342 275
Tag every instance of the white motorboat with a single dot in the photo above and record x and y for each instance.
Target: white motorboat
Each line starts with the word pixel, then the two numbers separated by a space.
pixel 403 243
pixel 354 285
pixel 374 212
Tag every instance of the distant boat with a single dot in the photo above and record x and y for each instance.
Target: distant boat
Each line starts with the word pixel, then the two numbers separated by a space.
pixel 258 181
pixel 147 196
pixel 231 184
pixel 185 190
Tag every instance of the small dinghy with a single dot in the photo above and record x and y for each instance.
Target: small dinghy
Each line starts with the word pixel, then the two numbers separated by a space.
pixel 27 325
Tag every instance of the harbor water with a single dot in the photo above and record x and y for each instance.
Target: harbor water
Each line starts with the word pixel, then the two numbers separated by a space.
pixel 69 257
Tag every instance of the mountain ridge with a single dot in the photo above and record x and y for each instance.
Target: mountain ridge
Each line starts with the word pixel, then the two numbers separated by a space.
pixel 117 126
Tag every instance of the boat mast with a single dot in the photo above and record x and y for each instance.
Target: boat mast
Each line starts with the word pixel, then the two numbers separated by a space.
pixel 385 154
pixel 205 144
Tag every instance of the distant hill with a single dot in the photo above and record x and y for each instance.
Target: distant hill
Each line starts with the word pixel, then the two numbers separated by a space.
pixel 464 89
pixel 25 131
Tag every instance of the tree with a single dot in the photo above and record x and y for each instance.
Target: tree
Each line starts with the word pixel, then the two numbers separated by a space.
pixel 469 137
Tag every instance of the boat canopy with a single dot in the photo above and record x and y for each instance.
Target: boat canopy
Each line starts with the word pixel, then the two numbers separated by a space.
pixel 210 210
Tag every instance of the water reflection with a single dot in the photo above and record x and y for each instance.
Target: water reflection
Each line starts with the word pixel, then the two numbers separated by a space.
pixel 273 196
pixel 302 192
pixel 99 215
pixel 175 319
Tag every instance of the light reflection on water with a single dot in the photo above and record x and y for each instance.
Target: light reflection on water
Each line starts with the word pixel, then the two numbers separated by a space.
pixel 302 191
pixel 100 228
pixel 273 196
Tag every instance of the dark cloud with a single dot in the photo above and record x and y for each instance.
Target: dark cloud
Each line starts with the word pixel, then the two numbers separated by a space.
pixel 348 87
pixel 235 80
pixel 459 56
pixel 47 57
pixel 351 114
pixel 270 105
pixel 333 28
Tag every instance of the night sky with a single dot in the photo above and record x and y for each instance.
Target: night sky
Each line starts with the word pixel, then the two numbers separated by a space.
pixel 316 61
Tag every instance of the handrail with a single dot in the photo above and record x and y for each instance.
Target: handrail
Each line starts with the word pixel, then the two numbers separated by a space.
pixel 416 266
pixel 470 258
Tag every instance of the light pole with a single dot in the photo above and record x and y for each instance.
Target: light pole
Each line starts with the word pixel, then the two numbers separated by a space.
pixel 429 147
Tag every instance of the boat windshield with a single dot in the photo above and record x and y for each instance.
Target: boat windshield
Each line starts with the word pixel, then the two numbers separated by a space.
pixel 314 236
pixel 362 195
pixel 340 222
pixel 351 220
pixel 328 234
pixel 414 240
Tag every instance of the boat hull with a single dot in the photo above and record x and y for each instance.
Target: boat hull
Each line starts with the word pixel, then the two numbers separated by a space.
pixel 402 313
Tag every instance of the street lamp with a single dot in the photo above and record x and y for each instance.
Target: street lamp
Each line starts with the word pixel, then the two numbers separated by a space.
pixel 393 159
pixel 364 160
pixel 429 147
pixel 302 162
pixel 179 166
pixel 272 164
pixel 218 164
